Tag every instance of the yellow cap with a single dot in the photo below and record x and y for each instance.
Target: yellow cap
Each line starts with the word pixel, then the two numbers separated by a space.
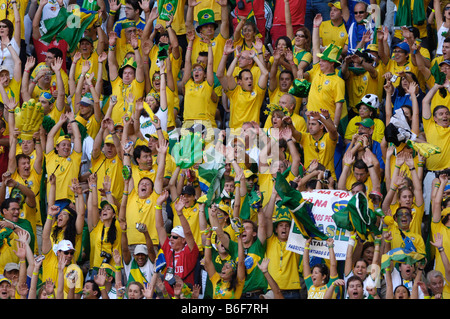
pixel 336 4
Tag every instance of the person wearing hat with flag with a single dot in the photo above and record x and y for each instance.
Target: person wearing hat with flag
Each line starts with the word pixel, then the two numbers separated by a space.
pixel 45 93
pixel 367 109
pixel 327 88
pixel 69 284
pixel 127 77
pixel 334 30
pixel 206 28
pixel 180 249
pixel 44 78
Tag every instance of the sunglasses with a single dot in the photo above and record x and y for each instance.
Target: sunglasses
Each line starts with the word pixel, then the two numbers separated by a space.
pixel 174 236
pixel 446 8
pixel 316 144
pixel 3 26
pixel 300 35
pixel 69 252
pixel 359 12
pixel 398 51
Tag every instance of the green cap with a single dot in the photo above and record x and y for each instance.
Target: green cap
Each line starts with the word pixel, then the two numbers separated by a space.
pixel 368 122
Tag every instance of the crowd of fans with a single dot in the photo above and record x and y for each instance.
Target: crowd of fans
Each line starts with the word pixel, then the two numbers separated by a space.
pixel 139 148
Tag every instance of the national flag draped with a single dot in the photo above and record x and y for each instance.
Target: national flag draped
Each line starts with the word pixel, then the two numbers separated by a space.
pixel 357 216
pixel 250 205
pixel 209 178
pixel 69 25
pixel 136 273
pixel 301 210
pixel 407 254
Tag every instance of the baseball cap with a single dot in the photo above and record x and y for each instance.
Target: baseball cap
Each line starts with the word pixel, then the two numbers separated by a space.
pixel 11 267
pixel 86 101
pixel 62 138
pixel 368 122
pixel 443 62
pixel 141 249
pixel 65 245
pixel 402 45
pixel 336 4
pixel 178 230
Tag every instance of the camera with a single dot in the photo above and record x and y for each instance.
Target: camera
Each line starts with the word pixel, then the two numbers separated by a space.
pixel 368 57
pixel 443 172
pixel 326 176
pixel 106 257
pixel 169 276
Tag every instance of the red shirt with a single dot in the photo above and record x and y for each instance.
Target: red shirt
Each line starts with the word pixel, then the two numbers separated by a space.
pixel 185 262
pixel 41 49
pixel 298 11
pixel 258 8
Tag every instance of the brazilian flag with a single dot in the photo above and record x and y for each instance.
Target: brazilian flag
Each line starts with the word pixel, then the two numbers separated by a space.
pixel 251 17
pixel 136 273
pixel 167 8
pixel 357 216
pixel 406 254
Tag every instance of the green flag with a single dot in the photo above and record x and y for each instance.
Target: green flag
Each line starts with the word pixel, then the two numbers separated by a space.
pixel 357 216
pixel 300 209
pixel 189 150
pixel 167 8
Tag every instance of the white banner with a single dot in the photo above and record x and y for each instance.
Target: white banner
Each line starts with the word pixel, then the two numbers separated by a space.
pixel 326 203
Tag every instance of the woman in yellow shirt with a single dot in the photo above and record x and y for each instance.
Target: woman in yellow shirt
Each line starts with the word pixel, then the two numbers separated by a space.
pixel 198 86
pixel 229 283
pixel 104 228
pixel 319 278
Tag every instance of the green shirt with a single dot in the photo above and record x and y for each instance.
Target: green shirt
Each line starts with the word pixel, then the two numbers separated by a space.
pixel 255 279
